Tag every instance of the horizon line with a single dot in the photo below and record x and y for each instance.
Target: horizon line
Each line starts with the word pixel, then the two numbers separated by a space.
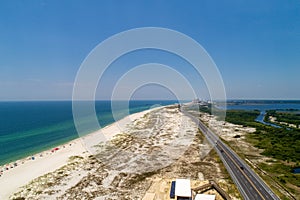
pixel 232 99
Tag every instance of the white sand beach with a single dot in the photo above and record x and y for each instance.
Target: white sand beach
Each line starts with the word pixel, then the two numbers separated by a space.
pixel 27 169
pixel 18 176
pixel 124 160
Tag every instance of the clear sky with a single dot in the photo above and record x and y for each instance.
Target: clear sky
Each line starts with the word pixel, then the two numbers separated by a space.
pixel 255 44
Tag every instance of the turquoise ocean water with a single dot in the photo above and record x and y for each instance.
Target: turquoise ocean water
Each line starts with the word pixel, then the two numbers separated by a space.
pixel 27 128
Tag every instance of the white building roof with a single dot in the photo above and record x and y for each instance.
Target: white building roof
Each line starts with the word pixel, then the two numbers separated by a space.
pixel 205 197
pixel 183 188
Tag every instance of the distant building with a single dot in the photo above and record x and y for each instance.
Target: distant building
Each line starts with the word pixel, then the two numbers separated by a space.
pixel 196 100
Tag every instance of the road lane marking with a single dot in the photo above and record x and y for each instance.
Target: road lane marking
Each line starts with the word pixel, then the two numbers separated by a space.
pixel 240 170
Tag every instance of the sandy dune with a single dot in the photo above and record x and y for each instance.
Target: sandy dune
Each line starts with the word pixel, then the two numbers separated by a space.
pixel 125 159
pixel 28 169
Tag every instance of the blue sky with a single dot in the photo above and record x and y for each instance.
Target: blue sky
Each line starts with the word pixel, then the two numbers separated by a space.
pixel 255 44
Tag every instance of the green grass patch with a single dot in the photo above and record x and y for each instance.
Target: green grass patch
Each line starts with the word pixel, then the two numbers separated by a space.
pixel 280 144
pixel 282 173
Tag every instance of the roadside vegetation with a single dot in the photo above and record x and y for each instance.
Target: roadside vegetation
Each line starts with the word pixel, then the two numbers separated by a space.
pixel 282 144
pixel 279 143
pixel 241 117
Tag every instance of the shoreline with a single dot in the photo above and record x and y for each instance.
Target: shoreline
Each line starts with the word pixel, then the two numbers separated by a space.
pixel 162 145
pixel 24 134
pixel 49 160
pixel 59 144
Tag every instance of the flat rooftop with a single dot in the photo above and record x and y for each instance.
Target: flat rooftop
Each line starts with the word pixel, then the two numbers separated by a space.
pixel 183 188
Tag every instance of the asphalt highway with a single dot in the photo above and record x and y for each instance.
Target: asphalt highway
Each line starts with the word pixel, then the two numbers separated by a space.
pixel 250 185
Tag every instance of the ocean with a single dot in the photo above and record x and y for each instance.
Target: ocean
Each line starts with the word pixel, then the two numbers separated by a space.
pixel 27 128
